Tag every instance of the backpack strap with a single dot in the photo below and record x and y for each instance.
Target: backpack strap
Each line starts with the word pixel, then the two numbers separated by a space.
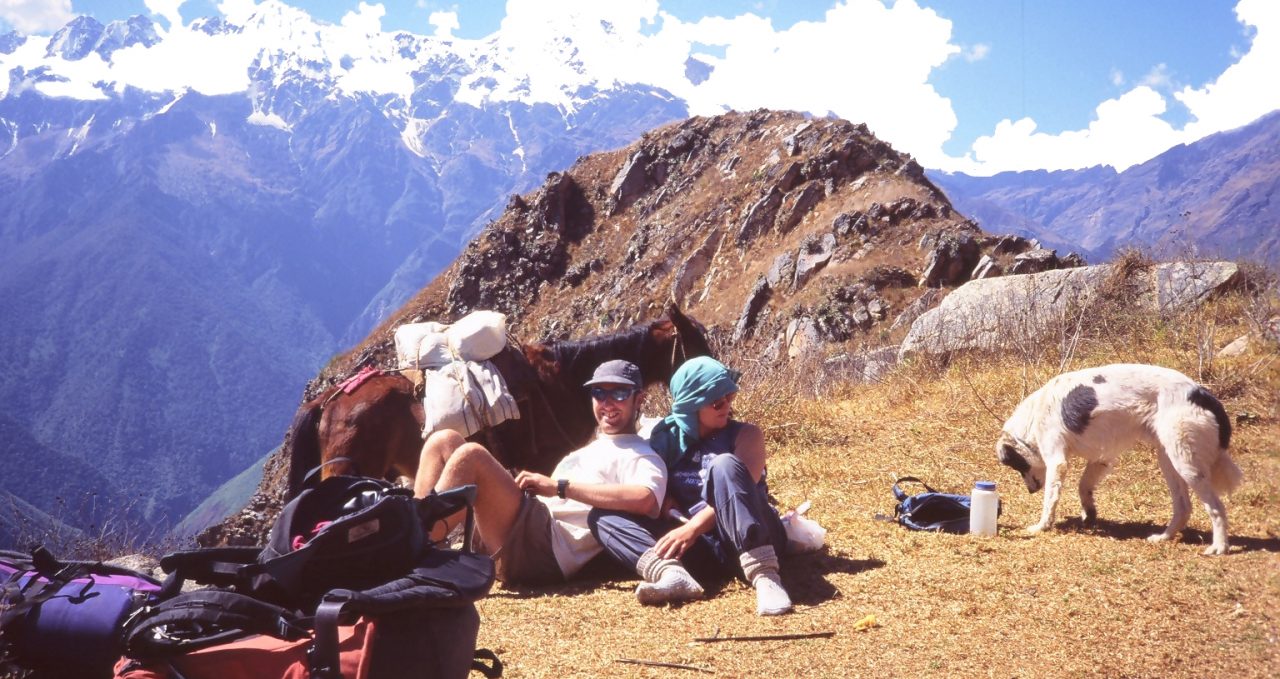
pixel 898 492
pixel 205 618
pixel 439 506
pixel 315 471
pixel 323 656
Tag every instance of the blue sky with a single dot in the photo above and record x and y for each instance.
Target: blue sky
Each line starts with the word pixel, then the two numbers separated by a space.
pixel 1011 81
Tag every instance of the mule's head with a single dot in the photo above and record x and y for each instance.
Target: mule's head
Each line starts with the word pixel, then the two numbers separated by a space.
pixel 1023 457
pixel 673 340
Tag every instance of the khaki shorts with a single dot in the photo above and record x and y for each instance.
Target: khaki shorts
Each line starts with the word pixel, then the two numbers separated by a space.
pixel 526 558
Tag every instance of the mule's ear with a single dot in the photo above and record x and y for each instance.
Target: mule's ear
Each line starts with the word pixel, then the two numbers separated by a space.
pixel 673 312
pixel 691 332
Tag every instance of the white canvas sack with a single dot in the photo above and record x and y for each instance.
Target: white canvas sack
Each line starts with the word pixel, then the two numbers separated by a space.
pixel 478 336
pixel 424 346
pixel 466 397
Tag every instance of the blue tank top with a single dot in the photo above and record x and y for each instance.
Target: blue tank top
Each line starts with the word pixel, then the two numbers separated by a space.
pixel 688 478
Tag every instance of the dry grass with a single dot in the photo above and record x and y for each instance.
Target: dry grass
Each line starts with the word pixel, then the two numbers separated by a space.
pixel 1078 601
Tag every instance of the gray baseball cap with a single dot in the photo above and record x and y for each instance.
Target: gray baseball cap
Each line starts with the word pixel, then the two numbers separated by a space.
pixel 617 372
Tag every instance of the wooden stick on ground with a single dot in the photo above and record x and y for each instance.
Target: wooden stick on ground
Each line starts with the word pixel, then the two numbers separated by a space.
pixel 769 637
pixel 655 663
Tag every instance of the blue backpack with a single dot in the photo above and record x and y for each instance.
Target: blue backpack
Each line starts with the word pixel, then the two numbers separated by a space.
pixel 931 510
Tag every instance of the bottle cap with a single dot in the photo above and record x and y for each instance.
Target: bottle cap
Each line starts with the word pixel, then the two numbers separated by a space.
pixel 985 485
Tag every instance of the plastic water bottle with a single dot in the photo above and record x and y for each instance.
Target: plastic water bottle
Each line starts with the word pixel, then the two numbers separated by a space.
pixel 983 504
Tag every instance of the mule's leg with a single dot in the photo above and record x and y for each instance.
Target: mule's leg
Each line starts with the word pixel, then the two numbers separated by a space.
pixel 1177 495
pixel 1055 461
pixel 1094 473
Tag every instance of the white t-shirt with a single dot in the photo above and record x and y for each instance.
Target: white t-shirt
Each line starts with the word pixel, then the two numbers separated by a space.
pixel 610 458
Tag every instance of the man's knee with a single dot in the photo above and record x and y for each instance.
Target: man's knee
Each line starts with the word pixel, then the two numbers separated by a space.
pixel 468 456
pixel 727 466
pixel 444 439
pixel 606 517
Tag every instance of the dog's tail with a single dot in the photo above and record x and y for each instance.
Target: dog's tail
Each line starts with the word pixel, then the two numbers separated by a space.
pixel 1225 476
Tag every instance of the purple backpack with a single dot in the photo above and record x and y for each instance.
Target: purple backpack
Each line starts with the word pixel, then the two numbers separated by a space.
pixel 64 619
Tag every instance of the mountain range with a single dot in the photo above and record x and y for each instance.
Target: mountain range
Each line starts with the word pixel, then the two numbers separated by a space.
pixel 1217 197
pixel 177 261
pixel 174 265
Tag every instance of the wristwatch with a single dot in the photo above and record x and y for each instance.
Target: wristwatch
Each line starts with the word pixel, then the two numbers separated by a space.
pixel 561 486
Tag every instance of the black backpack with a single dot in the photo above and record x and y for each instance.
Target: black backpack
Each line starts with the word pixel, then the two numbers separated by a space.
pixel 347 548
pixel 931 510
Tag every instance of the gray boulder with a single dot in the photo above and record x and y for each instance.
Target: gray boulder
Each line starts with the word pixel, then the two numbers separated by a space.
pixel 995 313
pixel 759 217
pixel 986 268
pixel 797 204
pixel 1035 261
pixel 756 301
pixel 782 270
pixel 812 258
pixel 695 267
pixel 802 337
pixel 630 181
pixel 868 366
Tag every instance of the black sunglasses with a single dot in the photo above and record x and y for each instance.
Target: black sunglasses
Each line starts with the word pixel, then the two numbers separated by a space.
pixel 617 393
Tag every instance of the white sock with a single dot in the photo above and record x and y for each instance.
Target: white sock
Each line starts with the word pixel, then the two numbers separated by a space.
pixel 665 581
pixel 760 566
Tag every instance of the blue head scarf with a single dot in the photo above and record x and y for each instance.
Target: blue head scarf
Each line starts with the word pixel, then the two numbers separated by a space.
pixel 697 383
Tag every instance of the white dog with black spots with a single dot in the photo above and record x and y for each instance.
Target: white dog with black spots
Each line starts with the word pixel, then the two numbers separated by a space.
pixel 1099 413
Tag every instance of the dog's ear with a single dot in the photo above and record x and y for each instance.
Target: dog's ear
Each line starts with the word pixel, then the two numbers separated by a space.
pixel 1007 450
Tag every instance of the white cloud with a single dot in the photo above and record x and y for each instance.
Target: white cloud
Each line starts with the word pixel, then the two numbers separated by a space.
pixel 1158 77
pixel 977 52
pixel 1127 130
pixel 41 17
pixel 445 23
pixel 1117 77
pixel 367 19
pixel 167 9
pixel 854 62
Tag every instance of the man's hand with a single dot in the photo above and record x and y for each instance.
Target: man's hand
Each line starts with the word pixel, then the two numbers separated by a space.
pixel 677 541
pixel 536 484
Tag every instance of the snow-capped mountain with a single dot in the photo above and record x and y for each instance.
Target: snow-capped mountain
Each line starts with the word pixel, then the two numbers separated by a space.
pixel 185 239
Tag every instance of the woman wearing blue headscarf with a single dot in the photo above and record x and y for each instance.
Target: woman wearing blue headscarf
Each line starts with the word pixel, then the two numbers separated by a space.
pixel 716 488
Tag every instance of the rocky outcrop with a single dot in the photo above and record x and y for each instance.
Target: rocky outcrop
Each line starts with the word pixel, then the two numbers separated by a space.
pixel 952 259
pixel 502 270
pixel 998 313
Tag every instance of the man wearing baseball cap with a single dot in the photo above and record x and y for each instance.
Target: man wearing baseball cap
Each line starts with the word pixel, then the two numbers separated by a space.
pixel 535 526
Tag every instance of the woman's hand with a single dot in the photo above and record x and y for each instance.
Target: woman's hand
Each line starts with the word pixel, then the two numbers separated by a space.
pixel 536 483
pixel 677 541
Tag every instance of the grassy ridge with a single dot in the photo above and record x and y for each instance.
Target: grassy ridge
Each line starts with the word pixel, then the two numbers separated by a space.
pixel 1076 601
